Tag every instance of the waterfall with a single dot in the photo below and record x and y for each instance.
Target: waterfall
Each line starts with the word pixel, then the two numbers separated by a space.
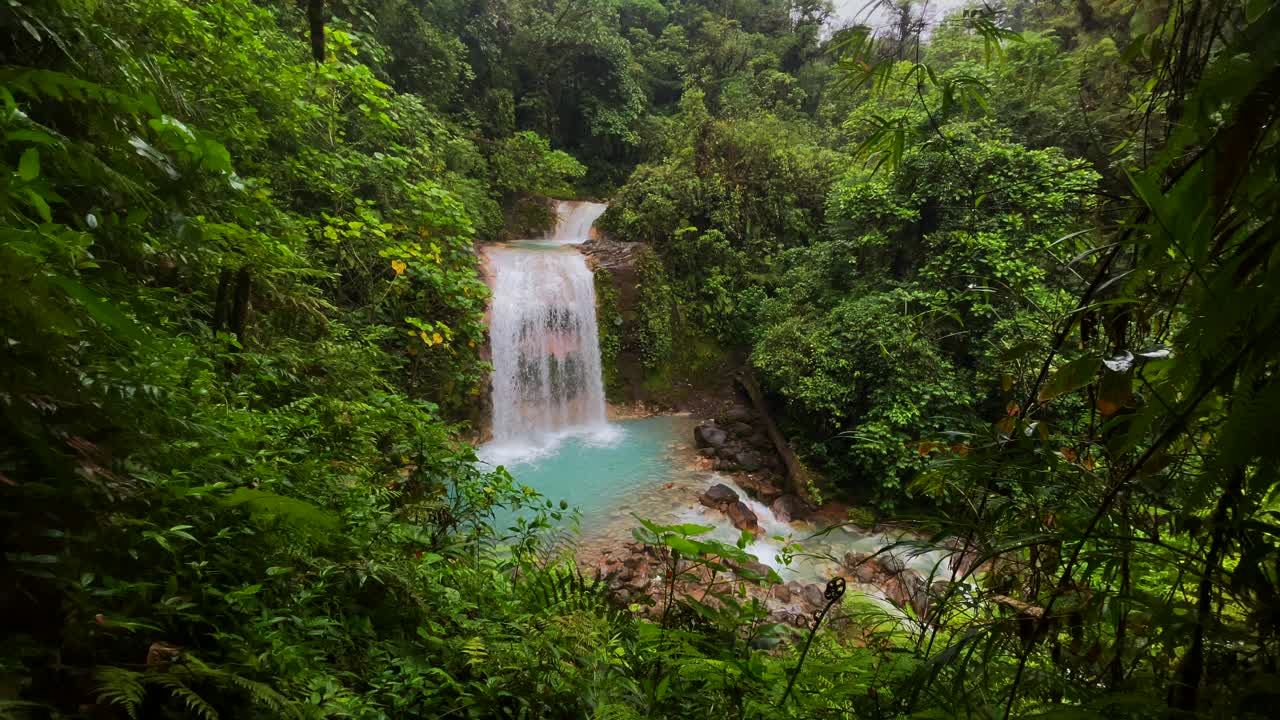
pixel 574 219
pixel 546 351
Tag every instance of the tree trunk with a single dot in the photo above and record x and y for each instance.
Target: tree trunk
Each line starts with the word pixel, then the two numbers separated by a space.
pixel 240 311
pixel 222 303
pixel 315 18
pixel 797 478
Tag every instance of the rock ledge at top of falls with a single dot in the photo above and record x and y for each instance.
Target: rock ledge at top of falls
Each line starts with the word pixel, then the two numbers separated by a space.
pixel 605 252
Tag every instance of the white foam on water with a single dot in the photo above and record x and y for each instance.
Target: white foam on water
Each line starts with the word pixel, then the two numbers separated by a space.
pixel 820 555
pixel 545 445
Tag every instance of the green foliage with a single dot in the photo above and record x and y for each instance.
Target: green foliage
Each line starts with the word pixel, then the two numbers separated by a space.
pixel 865 376
pixel 655 309
pixel 1016 272
pixel 609 321
pixel 526 163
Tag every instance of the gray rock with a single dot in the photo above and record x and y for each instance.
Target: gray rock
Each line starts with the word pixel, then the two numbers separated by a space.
pixel 718 496
pixel 739 413
pixel 709 436
pixel 741 429
pixel 750 460
pixel 789 507
pixel 707 452
pixel 813 597
pixel 727 452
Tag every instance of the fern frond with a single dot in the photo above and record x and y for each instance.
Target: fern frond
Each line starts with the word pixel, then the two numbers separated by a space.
pixel 567 589
pixel 178 689
pixel 266 696
pixel 23 709
pixel 260 693
pixel 117 686
pixel 475 650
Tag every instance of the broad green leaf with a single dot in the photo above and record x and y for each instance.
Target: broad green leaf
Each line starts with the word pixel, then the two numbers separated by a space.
pixel 29 165
pixel 100 310
pixel 1072 376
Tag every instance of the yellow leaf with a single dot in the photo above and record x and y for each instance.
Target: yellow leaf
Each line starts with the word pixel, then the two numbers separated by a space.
pixel 424 337
pixel 399 266
pixel 436 337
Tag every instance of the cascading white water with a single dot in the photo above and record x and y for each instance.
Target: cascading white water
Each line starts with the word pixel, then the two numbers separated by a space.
pixel 546 350
pixel 574 219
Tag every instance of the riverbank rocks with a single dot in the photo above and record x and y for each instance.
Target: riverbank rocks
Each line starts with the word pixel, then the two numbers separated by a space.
pixel 865 568
pixel 742 517
pixel 722 497
pixel 719 497
pixel 759 486
pixel 789 507
pixel 902 586
pixel 749 460
pixel 739 441
pixel 709 435
pixel 630 572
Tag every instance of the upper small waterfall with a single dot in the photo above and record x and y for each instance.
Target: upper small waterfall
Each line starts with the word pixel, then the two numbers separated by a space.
pixel 574 219
pixel 542 330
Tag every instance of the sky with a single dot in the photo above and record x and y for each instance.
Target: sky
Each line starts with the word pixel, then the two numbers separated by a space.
pixel 857 10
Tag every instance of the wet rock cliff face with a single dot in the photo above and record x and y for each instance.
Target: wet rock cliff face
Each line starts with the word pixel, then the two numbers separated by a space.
pixel 705 393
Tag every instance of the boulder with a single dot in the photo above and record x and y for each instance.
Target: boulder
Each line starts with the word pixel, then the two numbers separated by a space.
pixel 718 496
pixel 789 507
pixel 917 590
pixel 865 568
pixel 759 487
pixel 709 435
pixel 750 460
pixel 892 562
pixel 742 517
pixel 812 595
pixel 739 413
pixel 783 593
pixel 741 429
pixel 907 590
pixel 707 452
pixel 727 452
pixel 756 570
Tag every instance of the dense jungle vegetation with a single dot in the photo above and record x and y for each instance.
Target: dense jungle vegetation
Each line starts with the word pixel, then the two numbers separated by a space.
pixel 1004 273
